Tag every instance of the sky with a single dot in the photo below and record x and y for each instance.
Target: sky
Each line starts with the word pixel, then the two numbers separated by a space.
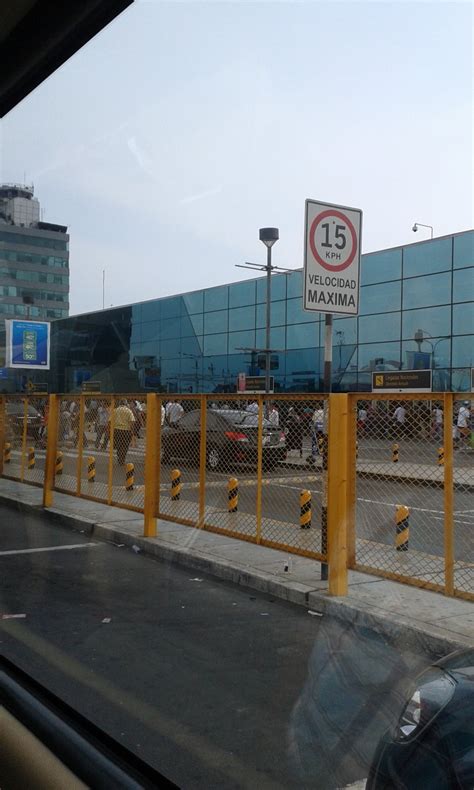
pixel 182 128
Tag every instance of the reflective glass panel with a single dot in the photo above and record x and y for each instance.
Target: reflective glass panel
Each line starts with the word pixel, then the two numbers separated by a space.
pixel 385 326
pixel 241 340
pixel 278 288
pixel 194 302
pixel 242 318
pixel 345 331
pixel 215 322
pixel 277 314
pixel 464 250
pixel 170 328
pixel 215 344
pixel 428 257
pixel 425 291
pixel 463 319
pixel 433 352
pixel 463 351
pixel 295 284
pixel 435 321
pixel 302 336
pixel 380 298
pixel 170 348
pixel 388 352
pixel 192 325
pixel 216 298
pixel 463 285
pixel 171 307
pixel 381 266
pixel 277 338
pixel 241 294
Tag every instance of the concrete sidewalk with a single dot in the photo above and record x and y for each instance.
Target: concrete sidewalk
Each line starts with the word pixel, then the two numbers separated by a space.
pixel 428 621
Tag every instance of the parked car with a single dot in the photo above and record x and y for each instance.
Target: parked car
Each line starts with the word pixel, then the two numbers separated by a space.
pixel 15 412
pixel 432 745
pixel 231 440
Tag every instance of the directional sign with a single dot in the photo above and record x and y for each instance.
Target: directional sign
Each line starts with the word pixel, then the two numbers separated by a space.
pixel 402 381
pixel 332 258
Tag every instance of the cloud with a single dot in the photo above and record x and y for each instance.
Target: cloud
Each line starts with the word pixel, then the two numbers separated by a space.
pixel 201 195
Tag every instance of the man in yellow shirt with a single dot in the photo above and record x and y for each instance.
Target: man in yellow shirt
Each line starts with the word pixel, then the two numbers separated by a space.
pixel 123 424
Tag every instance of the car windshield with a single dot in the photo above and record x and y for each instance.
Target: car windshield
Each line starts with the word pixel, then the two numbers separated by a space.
pixel 217 217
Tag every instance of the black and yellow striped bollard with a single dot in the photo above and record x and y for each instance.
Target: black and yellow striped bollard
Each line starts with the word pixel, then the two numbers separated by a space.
pixel 395 451
pixel 129 477
pixel 59 463
pixel 305 509
pixel 441 456
pixel 31 458
pixel 175 484
pixel 90 469
pixel 7 453
pixel 232 495
pixel 402 519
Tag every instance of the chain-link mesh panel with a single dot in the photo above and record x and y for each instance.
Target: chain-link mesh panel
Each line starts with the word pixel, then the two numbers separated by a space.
pixel 399 489
pixel 292 460
pixel 68 444
pixel 36 439
pixel 179 458
pixel 463 478
pixel 24 449
pixel 231 465
pixel 126 453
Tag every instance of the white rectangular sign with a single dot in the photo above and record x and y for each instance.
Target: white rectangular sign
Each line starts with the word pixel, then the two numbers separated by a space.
pixel 332 258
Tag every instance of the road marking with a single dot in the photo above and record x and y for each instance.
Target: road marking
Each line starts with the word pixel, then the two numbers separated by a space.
pixel 49 548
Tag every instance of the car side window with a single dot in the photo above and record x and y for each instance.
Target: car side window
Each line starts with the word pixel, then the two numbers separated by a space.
pixel 190 420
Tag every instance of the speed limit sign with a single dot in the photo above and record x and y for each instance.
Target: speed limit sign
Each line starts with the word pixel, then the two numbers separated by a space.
pixel 332 258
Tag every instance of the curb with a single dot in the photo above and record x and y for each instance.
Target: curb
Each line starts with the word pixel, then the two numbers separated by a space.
pixel 431 641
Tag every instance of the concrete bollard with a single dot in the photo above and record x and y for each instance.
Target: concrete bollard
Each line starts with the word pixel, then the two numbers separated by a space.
pixel 59 463
pixel 402 519
pixel 395 452
pixel 441 456
pixel 232 495
pixel 90 469
pixel 175 484
pixel 31 458
pixel 305 509
pixel 129 477
pixel 7 453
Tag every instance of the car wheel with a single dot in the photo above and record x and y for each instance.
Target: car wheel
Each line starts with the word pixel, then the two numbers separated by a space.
pixel 213 458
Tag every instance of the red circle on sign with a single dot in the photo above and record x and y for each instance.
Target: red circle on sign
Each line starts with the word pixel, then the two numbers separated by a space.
pixel 312 232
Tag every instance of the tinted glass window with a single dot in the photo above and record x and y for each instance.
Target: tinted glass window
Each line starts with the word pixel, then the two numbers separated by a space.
pixel 241 294
pixel 425 291
pixel 215 344
pixel 194 302
pixel 345 331
pixel 169 328
pixel 171 307
pixel 463 319
pixel 241 318
pixel 388 352
pixel 380 298
pixel 216 298
pixel 463 351
pixel 241 340
pixel 295 284
pixel 380 266
pixel 278 288
pixel 463 285
pixel 277 314
pixel 302 336
pixel 192 325
pixel 386 326
pixel 431 256
pixel 434 352
pixel 435 321
pixel 170 348
pixel 277 338
pixel 295 313
pixel 150 330
pixel 464 250
pixel 215 322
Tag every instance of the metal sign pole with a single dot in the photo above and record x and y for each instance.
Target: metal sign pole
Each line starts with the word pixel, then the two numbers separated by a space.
pixel 268 320
pixel 324 473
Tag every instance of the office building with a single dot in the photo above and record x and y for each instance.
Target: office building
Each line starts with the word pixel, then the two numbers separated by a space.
pixel 416 311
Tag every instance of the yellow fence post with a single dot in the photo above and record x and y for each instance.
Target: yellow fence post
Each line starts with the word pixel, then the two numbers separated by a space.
pixel 337 493
pixel 352 452
pixel 448 494
pixel 23 440
pixel 51 450
pixel 110 473
pixel 259 470
pixel 152 465
pixel 80 445
pixel 2 431
pixel 202 463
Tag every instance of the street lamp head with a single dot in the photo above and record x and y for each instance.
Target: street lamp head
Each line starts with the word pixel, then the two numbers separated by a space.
pixel 415 228
pixel 419 335
pixel 269 236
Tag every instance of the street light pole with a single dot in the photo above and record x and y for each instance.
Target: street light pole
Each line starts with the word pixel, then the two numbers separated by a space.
pixel 268 320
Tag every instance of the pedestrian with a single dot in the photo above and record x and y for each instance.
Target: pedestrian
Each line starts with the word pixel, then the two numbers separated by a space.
pixel 273 416
pixel 294 432
pixel 173 412
pixel 399 416
pixel 463 423
pixel 102 427
pixel 123 425
pixel 361 420
pixel 317 422
pixel 64 423
pixel 163 415
pixel 437 422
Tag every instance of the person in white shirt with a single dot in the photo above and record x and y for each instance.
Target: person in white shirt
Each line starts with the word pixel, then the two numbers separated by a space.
pixel 273 416
pixel 463 422
pixel 318 424
pixel 173 412
pixel 437 422
pixel 399 418
pixel 163 414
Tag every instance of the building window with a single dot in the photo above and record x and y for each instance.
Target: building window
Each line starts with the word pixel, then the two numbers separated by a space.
pixel 464 250
pixel 428 257
pixel 378 267
pixel 426 291
pixel 380 298
pixel 435 321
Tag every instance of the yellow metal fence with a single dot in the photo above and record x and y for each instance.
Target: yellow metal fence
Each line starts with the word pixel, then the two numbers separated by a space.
pixel 378 483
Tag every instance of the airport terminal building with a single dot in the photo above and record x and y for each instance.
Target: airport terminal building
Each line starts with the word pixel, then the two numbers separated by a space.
pixel 416 312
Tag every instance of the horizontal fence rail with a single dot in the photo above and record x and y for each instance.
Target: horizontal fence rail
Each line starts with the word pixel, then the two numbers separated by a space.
pixel 380 483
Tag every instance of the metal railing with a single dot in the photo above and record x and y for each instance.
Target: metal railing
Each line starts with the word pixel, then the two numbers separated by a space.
pixel 377 483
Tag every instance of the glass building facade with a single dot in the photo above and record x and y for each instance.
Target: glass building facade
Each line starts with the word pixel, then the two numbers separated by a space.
pixel 416 311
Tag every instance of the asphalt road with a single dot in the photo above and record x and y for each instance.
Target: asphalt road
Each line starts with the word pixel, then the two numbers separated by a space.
pixel 215 686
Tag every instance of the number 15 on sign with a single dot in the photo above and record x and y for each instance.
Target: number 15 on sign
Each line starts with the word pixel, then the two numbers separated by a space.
pixel 332 258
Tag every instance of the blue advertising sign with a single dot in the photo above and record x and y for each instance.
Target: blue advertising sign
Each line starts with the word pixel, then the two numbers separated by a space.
pixel 27 344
